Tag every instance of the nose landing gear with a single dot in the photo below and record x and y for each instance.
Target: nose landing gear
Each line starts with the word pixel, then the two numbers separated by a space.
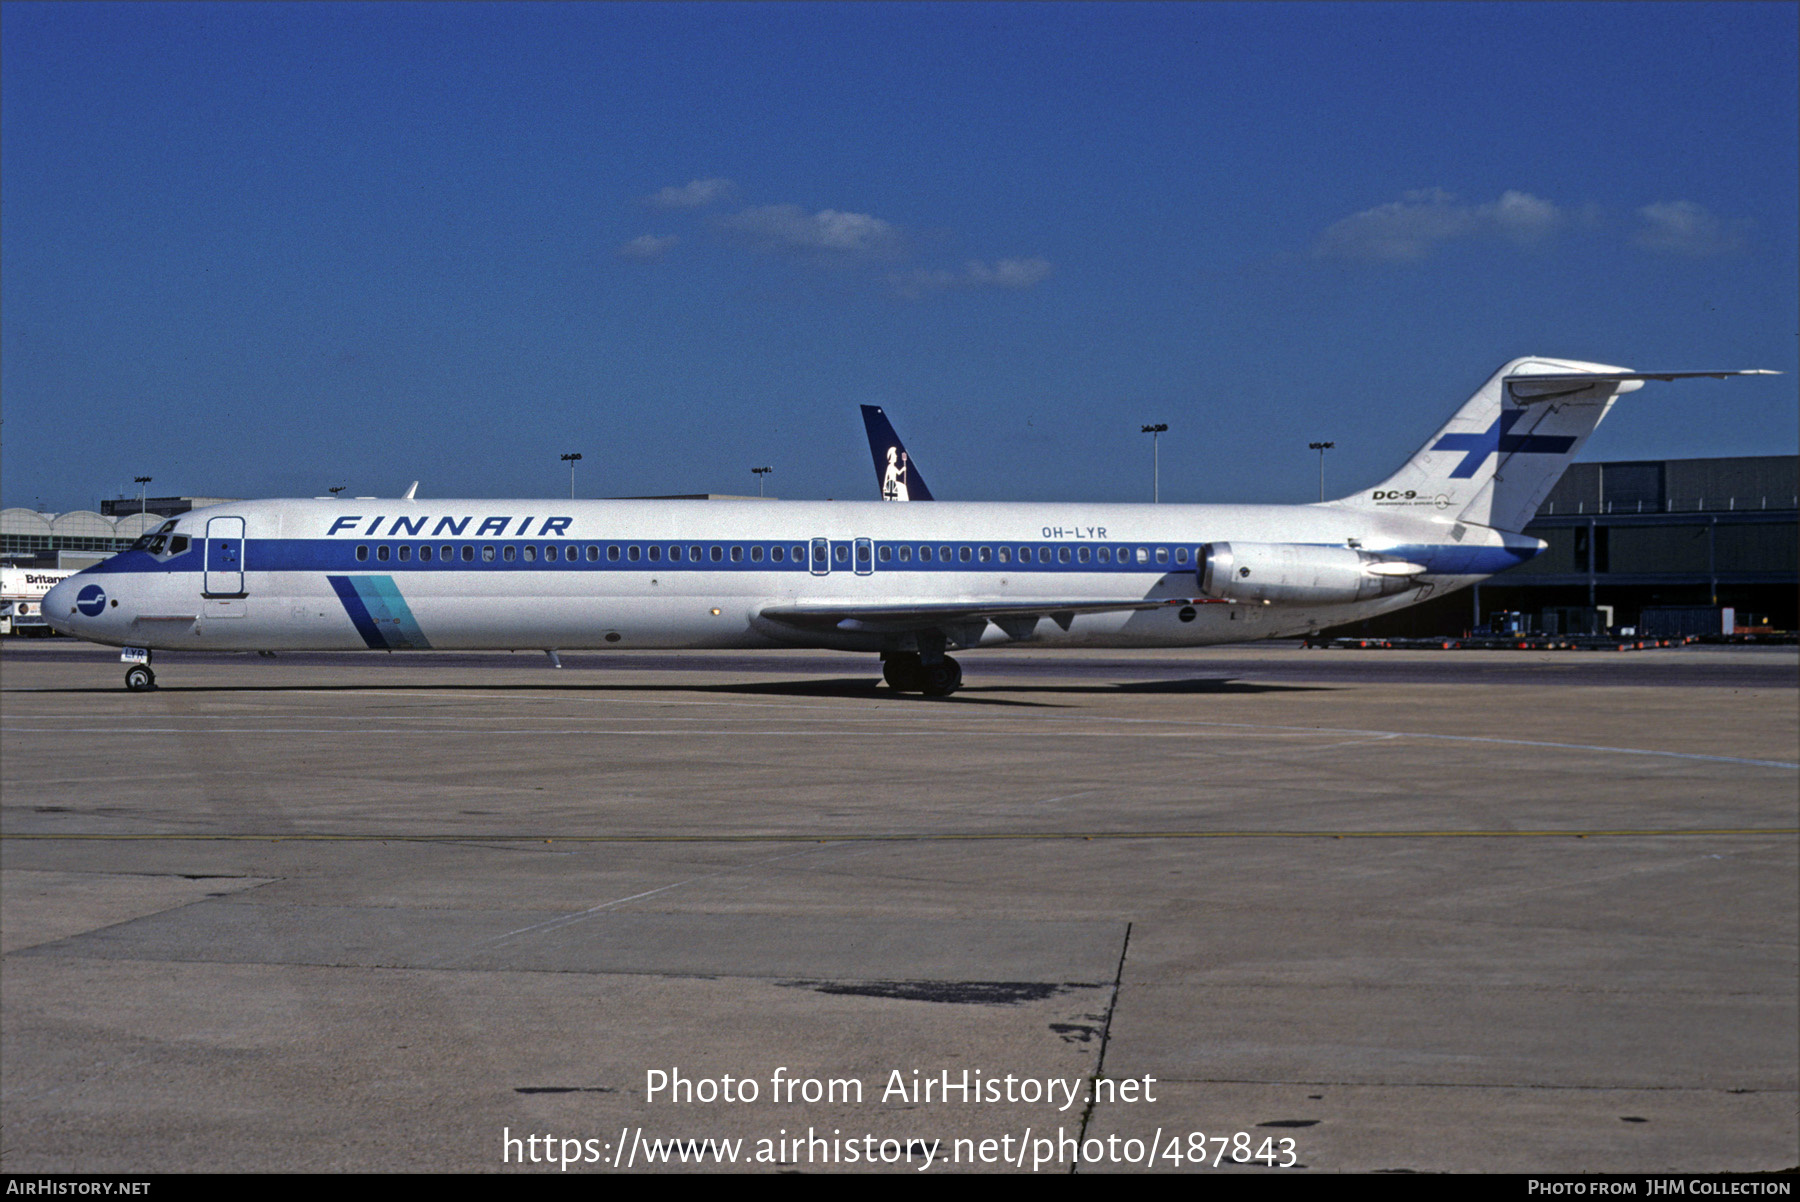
pixel 138 676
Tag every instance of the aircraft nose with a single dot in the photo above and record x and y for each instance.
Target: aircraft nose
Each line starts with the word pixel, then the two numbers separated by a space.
pixel 70 604
pixel 57 604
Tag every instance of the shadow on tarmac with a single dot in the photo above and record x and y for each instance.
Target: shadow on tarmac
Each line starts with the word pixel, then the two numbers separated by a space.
pixel 841 687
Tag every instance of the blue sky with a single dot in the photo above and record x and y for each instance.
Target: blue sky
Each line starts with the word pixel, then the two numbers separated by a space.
pixel 266 249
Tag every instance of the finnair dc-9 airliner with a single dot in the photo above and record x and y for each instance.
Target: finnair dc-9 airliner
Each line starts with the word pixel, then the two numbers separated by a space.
pixel 908 582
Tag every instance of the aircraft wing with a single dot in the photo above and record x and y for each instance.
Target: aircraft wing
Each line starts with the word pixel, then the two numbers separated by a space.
pixel 924 615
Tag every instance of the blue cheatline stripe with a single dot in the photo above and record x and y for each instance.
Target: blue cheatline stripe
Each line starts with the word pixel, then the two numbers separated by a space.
pixel 359 613
pixel 337 555
pixel 303 555
pixel 379 613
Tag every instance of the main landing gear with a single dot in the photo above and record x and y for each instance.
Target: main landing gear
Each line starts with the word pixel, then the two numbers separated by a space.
pixel 907 672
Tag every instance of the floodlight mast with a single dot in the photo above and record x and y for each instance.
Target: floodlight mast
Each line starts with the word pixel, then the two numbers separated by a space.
pixel 1155 432
pixel 1321 448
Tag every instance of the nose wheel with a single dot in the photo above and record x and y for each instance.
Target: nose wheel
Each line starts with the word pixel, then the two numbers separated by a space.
pixel 139 679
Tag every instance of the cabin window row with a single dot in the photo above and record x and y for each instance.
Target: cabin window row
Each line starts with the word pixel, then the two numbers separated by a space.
pixel 778 553
pixel 1084 553
pixel 574 553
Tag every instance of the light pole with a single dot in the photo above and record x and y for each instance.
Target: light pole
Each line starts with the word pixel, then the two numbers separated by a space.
pixel 1321 448
pixel 140 481
pixel 571 459
pixel 1155 432
pixel 759 473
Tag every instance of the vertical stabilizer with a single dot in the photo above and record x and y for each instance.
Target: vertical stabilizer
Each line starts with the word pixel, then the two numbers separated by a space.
pixel 1494 462
pixel 895 472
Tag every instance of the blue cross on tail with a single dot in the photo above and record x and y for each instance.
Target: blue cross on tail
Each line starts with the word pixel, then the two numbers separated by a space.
pixel 1496 438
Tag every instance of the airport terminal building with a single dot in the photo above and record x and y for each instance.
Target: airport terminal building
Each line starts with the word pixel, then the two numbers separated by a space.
pixel 81 536
pixel 1645 535
pixel 74 539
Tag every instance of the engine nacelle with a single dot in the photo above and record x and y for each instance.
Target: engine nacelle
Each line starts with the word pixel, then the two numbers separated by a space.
pixel 1296 574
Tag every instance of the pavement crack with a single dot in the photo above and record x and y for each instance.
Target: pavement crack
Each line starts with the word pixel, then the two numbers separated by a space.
pixel 1112 1003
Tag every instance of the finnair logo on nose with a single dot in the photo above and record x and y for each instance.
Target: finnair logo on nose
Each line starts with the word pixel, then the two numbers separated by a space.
pixel 1497 438
pixel 91 600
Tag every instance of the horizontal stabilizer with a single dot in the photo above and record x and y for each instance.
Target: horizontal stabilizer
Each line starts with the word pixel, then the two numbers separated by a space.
pixel 1493 463
pixel 1530 388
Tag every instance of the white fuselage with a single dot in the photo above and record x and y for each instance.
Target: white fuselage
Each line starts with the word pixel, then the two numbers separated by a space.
pixel 473 574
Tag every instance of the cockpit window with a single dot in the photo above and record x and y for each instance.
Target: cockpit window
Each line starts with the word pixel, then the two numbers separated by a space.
pixel 167 527
pixel 161 544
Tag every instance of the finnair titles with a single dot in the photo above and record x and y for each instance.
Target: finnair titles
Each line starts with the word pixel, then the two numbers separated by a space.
pixel 910 583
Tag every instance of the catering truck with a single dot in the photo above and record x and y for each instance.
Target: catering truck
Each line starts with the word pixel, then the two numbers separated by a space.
pixel 22 598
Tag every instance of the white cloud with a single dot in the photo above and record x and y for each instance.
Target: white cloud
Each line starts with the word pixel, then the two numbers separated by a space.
pixel 859 242
pixel 695 195
pixel 1008 273
pixel 827 234
pixel 1681 227
pixel 1522 217
pixel 1411 228
pixel 1015 274
pixel 647 248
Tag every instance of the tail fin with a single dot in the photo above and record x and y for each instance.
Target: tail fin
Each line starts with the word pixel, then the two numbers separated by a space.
pixel 894 471
pixel 1494 462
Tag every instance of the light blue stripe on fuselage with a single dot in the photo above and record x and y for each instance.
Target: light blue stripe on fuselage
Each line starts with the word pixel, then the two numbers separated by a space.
pixel 390 611
pixel 380 614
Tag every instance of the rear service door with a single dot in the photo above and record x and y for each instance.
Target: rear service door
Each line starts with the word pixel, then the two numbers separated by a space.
pixel 224 557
